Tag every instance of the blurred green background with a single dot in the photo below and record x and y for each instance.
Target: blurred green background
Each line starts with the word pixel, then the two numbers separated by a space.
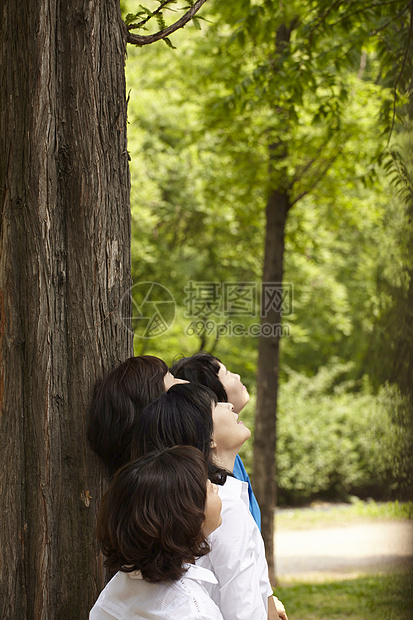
pixel 336 101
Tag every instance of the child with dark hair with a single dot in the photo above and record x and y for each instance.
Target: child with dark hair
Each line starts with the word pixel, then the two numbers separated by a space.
pixel 205 369
pixel 117 401
pixel 153 523
pixel 190 415
pixel 202 368
pixel 182 418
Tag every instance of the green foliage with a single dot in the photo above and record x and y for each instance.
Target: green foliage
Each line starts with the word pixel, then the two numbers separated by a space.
pixel 287 96
pixel 198 204
pixel 335 440
pixel 394 330
pixel 147 13
pixel 151 16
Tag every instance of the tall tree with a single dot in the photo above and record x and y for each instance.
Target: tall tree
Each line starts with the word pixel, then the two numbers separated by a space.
pixel 298 89
pixel 65 264
pixel 64 272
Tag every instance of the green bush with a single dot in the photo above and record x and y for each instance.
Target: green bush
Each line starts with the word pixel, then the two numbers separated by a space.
pixel 334 441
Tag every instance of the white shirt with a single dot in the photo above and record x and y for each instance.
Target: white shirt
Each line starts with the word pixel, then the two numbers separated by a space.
pixel 237 558
pixel 129 597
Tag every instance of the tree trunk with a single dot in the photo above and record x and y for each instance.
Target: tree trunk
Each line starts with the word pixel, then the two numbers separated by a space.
pixel 64 267
pixel 276 213
pixel 267 373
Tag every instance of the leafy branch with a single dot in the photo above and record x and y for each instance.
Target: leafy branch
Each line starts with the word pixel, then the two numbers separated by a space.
pixel 390 21
pixel 164 33
pixel 149 14
pixel 364 9
pixel 323 171
pixel 406 53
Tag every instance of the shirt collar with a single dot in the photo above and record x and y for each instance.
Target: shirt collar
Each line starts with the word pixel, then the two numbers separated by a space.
pixel 193 572
pixel 235 488
pixel 200 573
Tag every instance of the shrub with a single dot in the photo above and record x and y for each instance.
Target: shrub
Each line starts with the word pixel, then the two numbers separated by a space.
pixel 334 440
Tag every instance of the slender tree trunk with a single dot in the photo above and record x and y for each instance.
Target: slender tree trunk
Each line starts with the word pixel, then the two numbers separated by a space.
pixel 276 213
pixel 267 374
pixel 64 267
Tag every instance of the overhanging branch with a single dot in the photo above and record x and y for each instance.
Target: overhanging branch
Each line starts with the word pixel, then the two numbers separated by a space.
pixel 137 39
pixel 322 174
pixel 160 8
pixel 406 53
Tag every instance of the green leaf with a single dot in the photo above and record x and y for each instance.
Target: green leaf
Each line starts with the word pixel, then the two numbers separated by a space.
pixel 130 17
pixel 169 43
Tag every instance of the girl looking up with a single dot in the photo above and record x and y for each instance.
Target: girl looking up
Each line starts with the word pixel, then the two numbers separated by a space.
pixel 190 415
pixel 117 401
pixel 205 369
pixel 153 523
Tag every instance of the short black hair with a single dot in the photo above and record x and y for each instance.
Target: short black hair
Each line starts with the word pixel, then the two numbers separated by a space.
pixel 201 368
pixel 150 518
pixel 117 402
pixel 180 416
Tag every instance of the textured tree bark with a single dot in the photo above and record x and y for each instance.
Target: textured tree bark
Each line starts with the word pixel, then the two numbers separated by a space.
pixel 64 267
pixel 267 372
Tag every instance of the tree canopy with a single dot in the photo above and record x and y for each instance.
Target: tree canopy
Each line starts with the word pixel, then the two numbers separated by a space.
pixel 312 97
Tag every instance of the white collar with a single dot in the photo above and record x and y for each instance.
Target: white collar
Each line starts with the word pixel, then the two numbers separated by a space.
pixel 199 572
pixel 235 488
pixel 193 572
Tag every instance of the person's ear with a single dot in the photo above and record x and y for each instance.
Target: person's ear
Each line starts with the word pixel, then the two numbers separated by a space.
pixel 213 444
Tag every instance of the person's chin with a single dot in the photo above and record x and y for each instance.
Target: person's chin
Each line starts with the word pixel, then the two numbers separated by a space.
pixel 244 402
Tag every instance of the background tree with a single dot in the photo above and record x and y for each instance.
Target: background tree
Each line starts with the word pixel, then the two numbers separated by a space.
pixel 315 50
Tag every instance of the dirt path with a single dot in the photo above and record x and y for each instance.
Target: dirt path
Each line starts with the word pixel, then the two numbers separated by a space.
pixel 334 552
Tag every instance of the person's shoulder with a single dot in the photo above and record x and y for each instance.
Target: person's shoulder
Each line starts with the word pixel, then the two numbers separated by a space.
pixel 188 599
pixel 113 601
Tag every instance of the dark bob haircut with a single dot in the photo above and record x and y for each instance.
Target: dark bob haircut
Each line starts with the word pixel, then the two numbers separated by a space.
pixel 151 516
pixel 201 368
pixel 180 416
pixel 117 402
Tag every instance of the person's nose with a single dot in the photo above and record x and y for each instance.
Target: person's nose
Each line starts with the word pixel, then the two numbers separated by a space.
pixel 229 406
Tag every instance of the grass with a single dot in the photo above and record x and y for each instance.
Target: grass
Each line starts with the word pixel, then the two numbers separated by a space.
pixel 365 598
pixel 330 515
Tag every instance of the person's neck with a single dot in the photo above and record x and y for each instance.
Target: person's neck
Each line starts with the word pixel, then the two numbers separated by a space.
pixel 225 460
